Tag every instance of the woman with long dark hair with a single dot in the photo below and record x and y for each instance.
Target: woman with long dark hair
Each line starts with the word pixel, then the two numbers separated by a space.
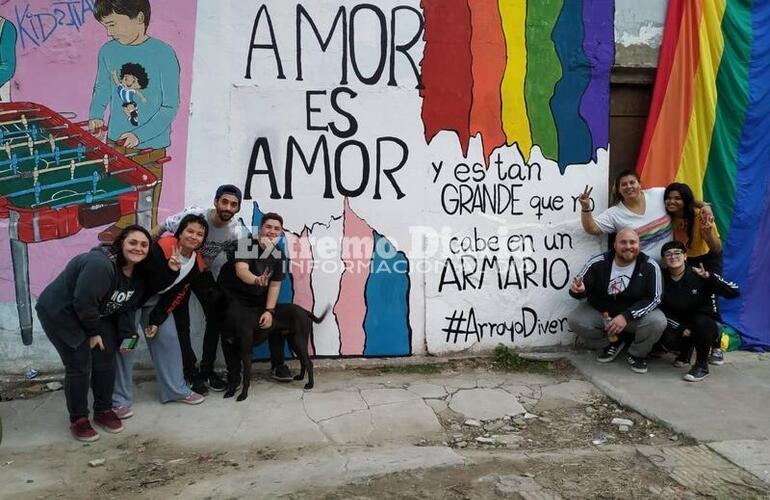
pixel 86 312
pixel 640 209
pixel 633 207
pixel 693 228
pixel 174 264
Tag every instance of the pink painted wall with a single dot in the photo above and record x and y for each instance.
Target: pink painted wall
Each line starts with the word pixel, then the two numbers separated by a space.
pixel 56 67
pixel 350 308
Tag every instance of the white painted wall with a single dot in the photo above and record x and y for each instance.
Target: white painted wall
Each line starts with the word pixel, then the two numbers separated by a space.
pixel 228 112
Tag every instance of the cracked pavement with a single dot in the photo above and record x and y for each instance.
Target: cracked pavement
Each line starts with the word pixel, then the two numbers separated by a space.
pixel 356 424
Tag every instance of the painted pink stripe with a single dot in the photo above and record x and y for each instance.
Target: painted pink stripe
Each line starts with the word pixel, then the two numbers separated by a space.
pixel 350 309
pixel 300 261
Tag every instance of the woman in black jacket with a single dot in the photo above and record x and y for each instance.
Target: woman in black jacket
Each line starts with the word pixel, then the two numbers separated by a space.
pixel 85 312
pixel 687 303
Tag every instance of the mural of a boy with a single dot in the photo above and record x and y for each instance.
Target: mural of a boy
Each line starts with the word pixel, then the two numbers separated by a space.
pixel 134 64
pixel 7 57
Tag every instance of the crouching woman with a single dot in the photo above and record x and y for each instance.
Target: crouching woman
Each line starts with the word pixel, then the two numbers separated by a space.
pixel 85 312
pixel 687 304
pixel 173 266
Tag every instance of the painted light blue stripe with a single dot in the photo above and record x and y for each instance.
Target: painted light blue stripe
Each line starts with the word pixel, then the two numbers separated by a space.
pixel 386 323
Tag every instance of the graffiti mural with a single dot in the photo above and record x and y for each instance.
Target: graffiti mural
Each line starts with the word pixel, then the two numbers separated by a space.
pixel 426 155
pixel 92 123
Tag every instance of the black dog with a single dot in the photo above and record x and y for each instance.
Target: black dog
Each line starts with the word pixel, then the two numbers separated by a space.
pixel 290 320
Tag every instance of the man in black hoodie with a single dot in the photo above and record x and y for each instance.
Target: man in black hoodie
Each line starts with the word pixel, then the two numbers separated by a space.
pixel 623 288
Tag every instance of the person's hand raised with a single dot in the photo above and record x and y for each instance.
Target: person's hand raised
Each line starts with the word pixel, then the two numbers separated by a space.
pixel 585 198
pixel 175 261
pixel 701 271
pixel 577 285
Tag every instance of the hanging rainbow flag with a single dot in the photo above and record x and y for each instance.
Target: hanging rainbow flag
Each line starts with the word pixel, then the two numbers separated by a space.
pixel 531 72
pixel 709 127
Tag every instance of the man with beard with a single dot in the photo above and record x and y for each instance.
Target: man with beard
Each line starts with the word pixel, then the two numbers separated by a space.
pixel 224 233
pixel 623 288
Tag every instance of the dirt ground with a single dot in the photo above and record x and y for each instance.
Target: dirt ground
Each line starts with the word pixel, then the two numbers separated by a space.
pixel 572 452
pixel 589 477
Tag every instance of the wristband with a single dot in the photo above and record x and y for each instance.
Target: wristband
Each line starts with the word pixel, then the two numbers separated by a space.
pixel 271 311
pixel 587 211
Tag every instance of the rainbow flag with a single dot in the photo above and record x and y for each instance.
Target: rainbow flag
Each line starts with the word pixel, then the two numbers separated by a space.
pixel 709 127
pixel 526 72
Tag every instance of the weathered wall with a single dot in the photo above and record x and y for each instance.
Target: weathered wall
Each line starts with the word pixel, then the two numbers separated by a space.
pixel 435 219
pixel 638 32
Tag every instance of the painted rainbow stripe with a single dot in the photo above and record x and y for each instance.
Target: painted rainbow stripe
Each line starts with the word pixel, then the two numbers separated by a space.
pixel 708 127
pixel 371 312
pixel 527 72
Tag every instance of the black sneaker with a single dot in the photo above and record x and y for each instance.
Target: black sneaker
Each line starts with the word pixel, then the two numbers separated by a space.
pixel 697 373
pixel 682 360
pixel 717 357
pixel 610 352
pixel 214 382
pixel 639 365
pixel 199 386
pixel 281 373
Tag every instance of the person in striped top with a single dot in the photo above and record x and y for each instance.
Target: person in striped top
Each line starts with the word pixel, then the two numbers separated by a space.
pixel 643 210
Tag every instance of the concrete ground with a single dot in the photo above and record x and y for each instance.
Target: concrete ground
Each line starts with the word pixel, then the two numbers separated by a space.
pixel 729 410
pixel 416 431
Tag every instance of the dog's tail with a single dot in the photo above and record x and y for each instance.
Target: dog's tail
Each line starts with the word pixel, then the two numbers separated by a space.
pixel 318 319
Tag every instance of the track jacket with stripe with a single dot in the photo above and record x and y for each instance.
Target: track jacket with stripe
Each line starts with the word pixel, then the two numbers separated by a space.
pixel 642 294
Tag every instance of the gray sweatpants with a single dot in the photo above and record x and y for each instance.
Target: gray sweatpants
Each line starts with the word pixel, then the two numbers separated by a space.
pixel 587 323
pixel 166 357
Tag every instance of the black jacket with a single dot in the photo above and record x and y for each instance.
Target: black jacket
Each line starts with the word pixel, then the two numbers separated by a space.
pixel 159 277
pixel 89 297
pixel 642 295
pixel 692 294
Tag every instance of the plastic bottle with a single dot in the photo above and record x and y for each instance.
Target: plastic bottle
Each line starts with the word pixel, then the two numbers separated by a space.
pixel 606 320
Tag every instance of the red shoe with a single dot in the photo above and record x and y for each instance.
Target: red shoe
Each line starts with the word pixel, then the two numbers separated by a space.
pixel 82 431
pixel 123 412
pixel 192 399
pixel 108 421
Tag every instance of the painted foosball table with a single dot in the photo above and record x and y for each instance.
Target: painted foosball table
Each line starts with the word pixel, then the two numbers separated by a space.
pixel 55 179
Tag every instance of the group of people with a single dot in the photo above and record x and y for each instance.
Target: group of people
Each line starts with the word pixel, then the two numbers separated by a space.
pixel 630 302
pixel 104 300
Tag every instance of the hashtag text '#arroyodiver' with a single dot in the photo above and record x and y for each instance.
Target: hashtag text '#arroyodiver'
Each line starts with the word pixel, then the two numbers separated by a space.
pixel 462 327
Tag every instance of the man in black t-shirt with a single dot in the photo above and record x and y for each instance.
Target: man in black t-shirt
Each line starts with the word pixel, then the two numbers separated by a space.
pixel 252 281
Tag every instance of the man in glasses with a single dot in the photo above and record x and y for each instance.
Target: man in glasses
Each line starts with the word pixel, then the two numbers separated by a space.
pixel 623 288
pixel 690 310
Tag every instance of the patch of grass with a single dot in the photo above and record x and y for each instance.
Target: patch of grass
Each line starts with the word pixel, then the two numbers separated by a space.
pixel 420 369
pixel 509 361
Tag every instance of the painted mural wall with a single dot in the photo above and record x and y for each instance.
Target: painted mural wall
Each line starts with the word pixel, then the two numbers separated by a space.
pixel 59 193
pixel 426 155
